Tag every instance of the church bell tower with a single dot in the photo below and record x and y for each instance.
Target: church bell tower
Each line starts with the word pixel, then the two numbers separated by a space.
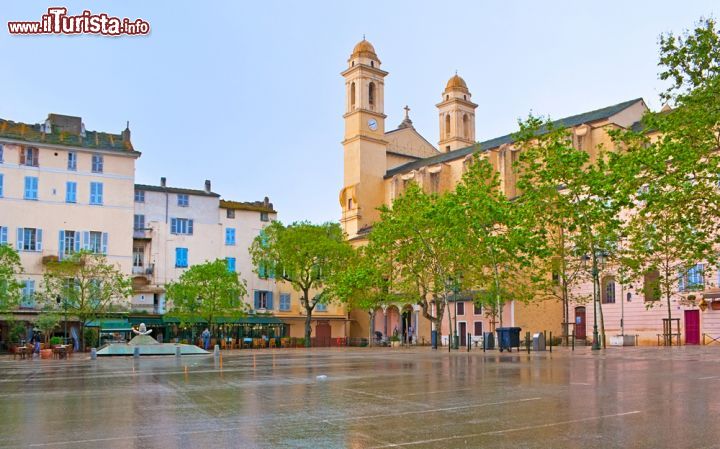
pixel 457 116
pixel 364 143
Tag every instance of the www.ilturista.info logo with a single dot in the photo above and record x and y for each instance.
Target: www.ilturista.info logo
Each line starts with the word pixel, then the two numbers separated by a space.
pixel 56 21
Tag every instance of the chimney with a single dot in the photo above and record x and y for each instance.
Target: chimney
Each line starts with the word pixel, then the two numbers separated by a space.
pixel 66 123
pixel 126 133
pixel 207 186
pixel 163 182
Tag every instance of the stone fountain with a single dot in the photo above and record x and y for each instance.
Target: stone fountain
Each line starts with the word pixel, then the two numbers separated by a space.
pixel 147 345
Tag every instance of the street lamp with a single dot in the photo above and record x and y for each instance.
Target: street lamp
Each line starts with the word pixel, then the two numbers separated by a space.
pixel 598 263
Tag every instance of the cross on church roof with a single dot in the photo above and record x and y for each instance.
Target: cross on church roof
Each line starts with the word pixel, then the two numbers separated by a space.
pixel 407 112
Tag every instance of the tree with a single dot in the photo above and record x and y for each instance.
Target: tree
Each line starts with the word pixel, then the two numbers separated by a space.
pixel 10 269
pixel 364 283
pixel 207 291
pixel 576 198
pixel 415 235
pixel 672 167
pixel 88 285
pixel 304 255
pixel 47 322
pixel 498 243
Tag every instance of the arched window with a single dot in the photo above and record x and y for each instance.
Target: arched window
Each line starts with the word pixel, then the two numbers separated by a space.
pixel 447 125
pixel 464 97
pixel 608 296
pixel 372 63
pixel 466 126
pixel 447 97
pixel 352 95
pixel 371 94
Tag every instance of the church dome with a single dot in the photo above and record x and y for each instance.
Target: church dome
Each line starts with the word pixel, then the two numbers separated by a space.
pixel 456 82
pixel 364 48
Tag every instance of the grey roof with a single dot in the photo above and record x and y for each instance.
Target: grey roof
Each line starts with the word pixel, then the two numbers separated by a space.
pixel 175 190
pixel 567 122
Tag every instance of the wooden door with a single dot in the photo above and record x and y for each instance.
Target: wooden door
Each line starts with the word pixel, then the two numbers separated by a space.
pixel 580 331
pixel 692 327
pixel 462 330
pixel 323 332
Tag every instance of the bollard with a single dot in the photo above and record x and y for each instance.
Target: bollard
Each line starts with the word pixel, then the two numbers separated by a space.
pixel 217 351
pixel 484 342
pixel 573 339
pixel 178 351
pixel 527 341
pixel 545 337
pixel 136 352
pixel 550 341
pixel 93 353
pixel 469 341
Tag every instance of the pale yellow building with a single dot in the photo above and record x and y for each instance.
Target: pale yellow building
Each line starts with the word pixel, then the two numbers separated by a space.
pixel 378 164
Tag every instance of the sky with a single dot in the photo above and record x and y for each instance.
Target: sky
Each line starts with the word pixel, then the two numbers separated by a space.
pixel 249 94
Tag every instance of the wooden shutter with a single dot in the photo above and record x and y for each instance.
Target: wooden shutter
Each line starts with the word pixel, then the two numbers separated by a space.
pixel 77 241
pixel 256 305
pixel 86 239
pixel 20 238
pixel 269 304
pixel 61 245
pixel 38 240
pixel 3 234
pixel 190 227
pixel 22 155
pixel 105 243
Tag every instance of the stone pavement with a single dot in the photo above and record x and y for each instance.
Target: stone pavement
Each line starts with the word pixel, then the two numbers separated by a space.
pixel 371 398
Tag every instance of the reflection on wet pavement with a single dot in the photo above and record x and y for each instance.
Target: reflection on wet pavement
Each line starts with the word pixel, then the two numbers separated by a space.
pixel 624 397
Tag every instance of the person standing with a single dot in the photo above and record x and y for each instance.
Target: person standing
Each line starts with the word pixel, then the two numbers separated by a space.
pixel 206 339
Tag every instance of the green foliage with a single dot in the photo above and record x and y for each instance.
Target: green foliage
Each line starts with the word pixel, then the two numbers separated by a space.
pixel 47 322
pixel 672 166
pixel 10 268
pixel 87 285
pixel 208 291
pixel 17 332
pixel 90 337
pixel 56 341
pixel 305 255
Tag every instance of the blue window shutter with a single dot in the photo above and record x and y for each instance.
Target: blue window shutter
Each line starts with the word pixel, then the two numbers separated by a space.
pixel 173 225
pixel 177 257
pixel 61 244
pixel 38 240
pixel 257 300
pixel 190 227
pixel 271 271
pixel 105 243
pixel 86 239
pixel 1 185
pixel 269 300
pixel 3 235
pixel 262 272
pixel 77 241
pixel 20 238
pixel 681 281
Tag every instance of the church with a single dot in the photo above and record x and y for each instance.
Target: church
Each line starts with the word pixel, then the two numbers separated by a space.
pixel 378 164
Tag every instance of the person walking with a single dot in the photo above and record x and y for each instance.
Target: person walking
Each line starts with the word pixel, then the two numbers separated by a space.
pixel 206 339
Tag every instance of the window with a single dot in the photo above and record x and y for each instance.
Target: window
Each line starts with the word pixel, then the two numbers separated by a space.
pixel 181 257
pixel 265 271
pixel 139 196
pixel 138 256
pixel 1 153
pixel 229 236
pixel 460 308
pixel 183 200
pixel 693 279
pixel 181 226
pixel 29 239
pixel 478 328
pixel 321 307
pixel 447 125
pixel 263 300
pixel 230 264
pixel 608 296
pixel 71 192
pixel 97 163
pixel 96 193
pixel 352 95
pixel 96 242
pixel 231 213
pixel 29 156
pixel 264 216
pixel 477 310
pixel 651 286
pixel 3 235
pixel 69 243
pixel 139 221
pixel 72 160
pixel 31 188
pixel 284 302
pixel 1 185
pixel 371 94
pixel 466 126
pixel 28 295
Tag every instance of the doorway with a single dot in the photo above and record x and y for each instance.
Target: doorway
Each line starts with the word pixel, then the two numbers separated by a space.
pixel 580 331
pixel 462 330
pixel 692 327
pixel 323 333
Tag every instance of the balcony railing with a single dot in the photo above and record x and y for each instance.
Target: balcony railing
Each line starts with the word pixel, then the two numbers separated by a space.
pixel 145 233
pixel 147 271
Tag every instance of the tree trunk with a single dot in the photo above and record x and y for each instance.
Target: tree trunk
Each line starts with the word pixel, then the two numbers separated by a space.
pixel 371 325
pixel 82 336
pixel 566 312
pixel 308 318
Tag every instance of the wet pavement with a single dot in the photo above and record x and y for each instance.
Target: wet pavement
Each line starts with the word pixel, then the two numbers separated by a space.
pixel 371 398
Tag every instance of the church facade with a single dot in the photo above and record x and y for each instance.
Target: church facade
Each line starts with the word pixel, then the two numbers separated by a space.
pixel 379 163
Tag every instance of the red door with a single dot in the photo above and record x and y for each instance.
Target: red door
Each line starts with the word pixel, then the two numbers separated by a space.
pixel 323 333
pixel 580 332
pixel 692 327
pixel 463 333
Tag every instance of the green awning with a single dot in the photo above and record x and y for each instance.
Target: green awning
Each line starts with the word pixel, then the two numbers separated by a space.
pixel 111 325
pixel 227 320
pixel 148 320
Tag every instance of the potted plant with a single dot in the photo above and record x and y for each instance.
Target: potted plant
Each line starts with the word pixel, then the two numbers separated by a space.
pixel 395 341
